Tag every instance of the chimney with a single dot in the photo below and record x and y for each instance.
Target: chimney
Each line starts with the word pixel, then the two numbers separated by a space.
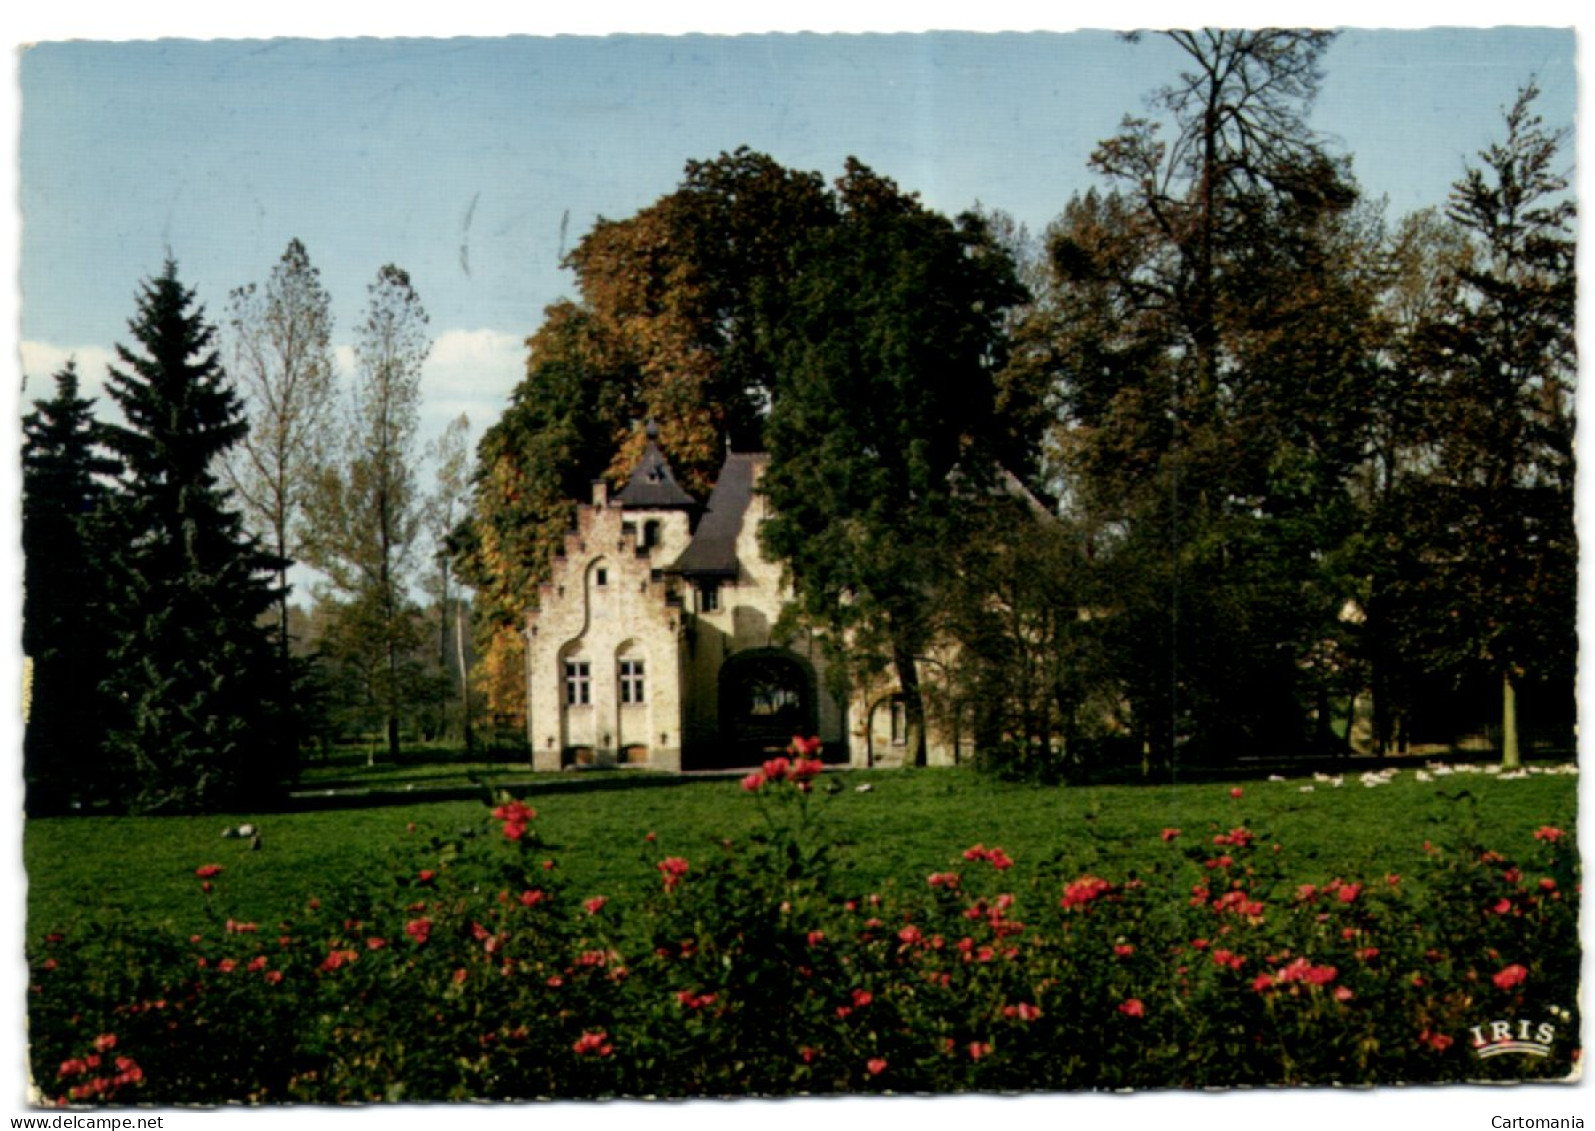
pixel 600 493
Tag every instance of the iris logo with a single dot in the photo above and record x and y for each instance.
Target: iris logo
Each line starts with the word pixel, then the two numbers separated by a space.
pixel 1529 1038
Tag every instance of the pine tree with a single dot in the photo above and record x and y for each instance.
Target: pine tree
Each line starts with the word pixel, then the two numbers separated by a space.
pixel 194 676
pixel 63 490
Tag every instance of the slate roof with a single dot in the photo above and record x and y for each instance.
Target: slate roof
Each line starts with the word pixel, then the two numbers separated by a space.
pixel 713 550
pixel 653 485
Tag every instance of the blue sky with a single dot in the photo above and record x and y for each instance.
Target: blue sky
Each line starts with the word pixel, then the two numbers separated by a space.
pixel 473 162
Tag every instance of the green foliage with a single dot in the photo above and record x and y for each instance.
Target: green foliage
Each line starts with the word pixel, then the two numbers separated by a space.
pixel 667 328
pixel 63 492
pixel 475 965
pixel 1496 583
pixel 1210 322
pixel 281 348
pixel 364 522
pixel 885 414
pixel 199 717
pixel 1023 602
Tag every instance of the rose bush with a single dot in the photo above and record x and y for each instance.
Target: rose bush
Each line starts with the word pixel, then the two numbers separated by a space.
pixel 466 970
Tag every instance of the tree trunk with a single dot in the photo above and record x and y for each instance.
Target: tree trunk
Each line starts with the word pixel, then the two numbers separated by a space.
pixel 1510 758
pixel 443 650
pixel 465 678
pixel 913 704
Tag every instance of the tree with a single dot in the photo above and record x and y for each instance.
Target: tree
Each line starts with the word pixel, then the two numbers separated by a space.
pixel 1022 605
pixel 366 517
pixel 194 676
pixel 281 349
pixel 1240 134
pixel 1502 547
pixel 64 488
pixel 673 294
pixel 887 338
pixel 666 327
pixel 445 510
pixel 1391 638
pixel 1208 328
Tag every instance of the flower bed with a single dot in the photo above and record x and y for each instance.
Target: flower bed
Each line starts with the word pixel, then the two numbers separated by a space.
pixel 468 970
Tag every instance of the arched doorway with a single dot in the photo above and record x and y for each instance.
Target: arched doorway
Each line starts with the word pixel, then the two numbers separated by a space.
pixel 766 697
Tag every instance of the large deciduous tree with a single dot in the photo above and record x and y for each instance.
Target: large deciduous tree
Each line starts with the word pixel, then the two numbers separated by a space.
pixel 1391 637
pixel 665 327
pixel 65 473
pixel 887 338
pixel 193 674
pixel 366 514
pixel 1208 326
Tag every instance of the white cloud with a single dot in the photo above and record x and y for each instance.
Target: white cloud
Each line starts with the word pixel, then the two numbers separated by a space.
pixel 472 364
pixel 471 372
pixel 41 361
pixel 468 371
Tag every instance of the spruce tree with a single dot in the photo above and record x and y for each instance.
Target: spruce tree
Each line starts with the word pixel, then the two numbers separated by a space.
pixel 64 472
pixel 194 675
pixel 1499 505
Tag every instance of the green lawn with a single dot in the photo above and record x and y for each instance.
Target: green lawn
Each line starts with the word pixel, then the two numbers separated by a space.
pixel 904 826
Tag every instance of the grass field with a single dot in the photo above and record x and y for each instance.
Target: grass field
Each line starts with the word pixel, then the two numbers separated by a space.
pixel 905 825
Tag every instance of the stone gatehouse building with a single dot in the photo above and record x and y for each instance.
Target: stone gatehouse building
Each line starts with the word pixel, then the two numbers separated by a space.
pixel 652 643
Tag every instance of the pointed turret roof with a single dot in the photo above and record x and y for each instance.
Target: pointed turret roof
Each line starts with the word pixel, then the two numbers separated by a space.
pixel 713 550
pixel 653 485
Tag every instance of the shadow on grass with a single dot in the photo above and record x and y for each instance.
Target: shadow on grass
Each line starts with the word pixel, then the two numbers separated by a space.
pixel 520 784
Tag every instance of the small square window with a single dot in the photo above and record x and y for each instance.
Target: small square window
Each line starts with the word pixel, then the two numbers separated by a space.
pixel 600 577
pixel 708 597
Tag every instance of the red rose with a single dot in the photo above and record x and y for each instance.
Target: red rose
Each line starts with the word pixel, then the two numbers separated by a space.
pixel 1510 976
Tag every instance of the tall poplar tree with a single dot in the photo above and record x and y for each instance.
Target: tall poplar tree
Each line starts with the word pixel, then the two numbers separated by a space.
pixel 446 508
pixel 197 723
pixel 281 351
pixel 365 520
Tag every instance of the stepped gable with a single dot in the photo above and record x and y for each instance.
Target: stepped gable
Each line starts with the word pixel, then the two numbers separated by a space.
pixel 653 485
pixel 713 550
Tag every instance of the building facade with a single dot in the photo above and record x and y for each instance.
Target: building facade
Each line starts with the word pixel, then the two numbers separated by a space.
pixel 654 640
